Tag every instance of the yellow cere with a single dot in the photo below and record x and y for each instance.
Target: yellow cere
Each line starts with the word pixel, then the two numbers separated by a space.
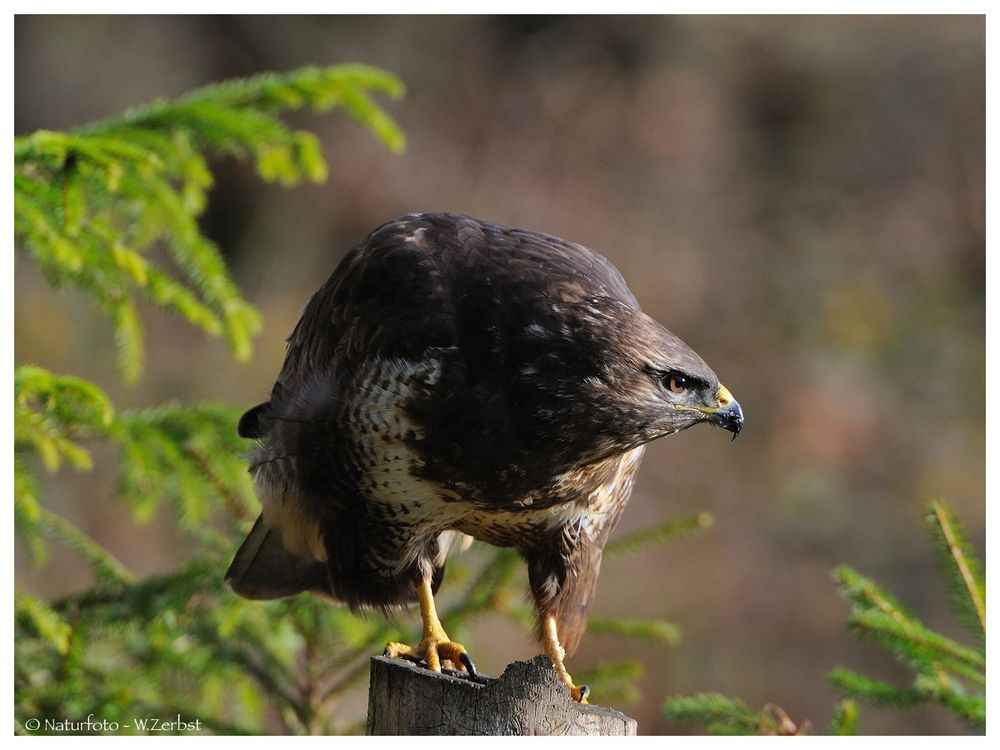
pixel 725 399
pixel 724 396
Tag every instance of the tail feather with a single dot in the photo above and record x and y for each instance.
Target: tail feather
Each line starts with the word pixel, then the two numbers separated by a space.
pixel 264 569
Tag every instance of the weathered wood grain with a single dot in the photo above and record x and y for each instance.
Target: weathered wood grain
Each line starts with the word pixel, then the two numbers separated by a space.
pixel 527 699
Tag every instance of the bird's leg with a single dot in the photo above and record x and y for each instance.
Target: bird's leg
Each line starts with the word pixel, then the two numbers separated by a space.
pixel 435 645
pixel 555 652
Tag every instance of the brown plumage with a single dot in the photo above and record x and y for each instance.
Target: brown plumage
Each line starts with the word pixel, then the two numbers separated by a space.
pixel 454 376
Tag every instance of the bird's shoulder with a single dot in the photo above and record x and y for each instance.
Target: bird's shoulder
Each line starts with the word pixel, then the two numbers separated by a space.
pixel 434 281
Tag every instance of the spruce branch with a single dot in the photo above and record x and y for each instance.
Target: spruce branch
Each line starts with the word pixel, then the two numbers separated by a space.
pixel 650 630
pixel 913 642
pixel 27 510
pixel 42 620
pixel 91 204
pixel 123 600
pixel 190 457
pixel 868 595
pixel 655 534
pixel 960 567
pixel 105 564
pixel 729 716
pixel 944 671
pixel 874 692
pixel 844 721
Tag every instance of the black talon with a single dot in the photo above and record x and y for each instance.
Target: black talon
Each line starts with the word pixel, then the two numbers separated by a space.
pixel 385 652
pixel 469 666
pixel 584 692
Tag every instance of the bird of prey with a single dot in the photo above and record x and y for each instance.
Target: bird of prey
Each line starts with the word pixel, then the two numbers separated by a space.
pixel 455 377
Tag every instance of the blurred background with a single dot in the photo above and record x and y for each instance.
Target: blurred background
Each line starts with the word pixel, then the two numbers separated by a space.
pixel 800 199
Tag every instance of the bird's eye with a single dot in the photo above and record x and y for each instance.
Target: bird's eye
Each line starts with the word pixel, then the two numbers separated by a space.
pixel 677 383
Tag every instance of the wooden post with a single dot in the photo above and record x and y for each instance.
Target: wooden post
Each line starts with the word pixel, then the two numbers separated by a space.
pixel 527 699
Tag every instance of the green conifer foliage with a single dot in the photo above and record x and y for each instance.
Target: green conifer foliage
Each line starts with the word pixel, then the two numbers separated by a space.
pixel 945 672
pixel 730 716
pixel 90 205
pixel 94 207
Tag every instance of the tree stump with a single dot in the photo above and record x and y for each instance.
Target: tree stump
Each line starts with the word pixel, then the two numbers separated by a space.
pixel 527 699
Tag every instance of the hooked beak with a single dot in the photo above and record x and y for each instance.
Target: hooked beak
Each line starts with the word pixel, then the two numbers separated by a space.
pixel 727 414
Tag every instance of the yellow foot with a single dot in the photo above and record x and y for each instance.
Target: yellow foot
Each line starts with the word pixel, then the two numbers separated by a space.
pixel 555 652
pixel 435 648
pixel 434 652
pixel 579 693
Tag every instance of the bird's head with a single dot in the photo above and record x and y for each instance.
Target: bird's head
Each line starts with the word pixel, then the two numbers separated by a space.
pixel 681 390
pixel 613 378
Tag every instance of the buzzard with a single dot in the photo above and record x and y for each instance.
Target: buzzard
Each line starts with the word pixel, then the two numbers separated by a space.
pixel 451 379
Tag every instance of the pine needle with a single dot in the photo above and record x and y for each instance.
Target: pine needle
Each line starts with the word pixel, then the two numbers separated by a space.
pixel 844 721
pixel 717 713
pixel 650 630
pixel 655 534
pixel 960 567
